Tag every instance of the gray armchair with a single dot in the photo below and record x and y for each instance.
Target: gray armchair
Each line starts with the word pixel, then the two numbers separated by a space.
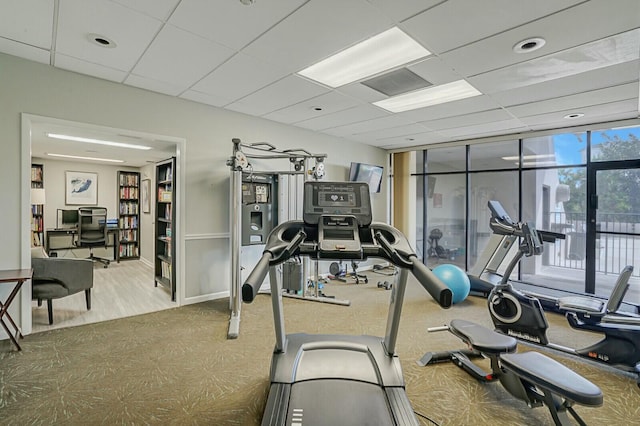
pixel 54 278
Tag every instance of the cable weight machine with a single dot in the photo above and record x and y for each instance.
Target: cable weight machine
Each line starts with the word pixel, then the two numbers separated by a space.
pixel 256 199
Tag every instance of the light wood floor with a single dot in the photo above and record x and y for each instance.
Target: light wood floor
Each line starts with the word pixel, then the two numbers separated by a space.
pixel 123 289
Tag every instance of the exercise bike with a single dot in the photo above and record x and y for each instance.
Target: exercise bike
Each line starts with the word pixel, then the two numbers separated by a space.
pixel 329 379
pixel 521 315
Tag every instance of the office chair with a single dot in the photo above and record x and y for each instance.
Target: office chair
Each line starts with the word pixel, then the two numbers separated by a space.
pixel 92 231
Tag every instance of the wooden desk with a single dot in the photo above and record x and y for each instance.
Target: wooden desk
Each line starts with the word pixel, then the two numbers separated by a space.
pixel 19 276
pixel 72 235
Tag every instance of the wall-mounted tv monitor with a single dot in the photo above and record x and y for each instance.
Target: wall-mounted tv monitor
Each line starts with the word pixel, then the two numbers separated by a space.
pixel 360 172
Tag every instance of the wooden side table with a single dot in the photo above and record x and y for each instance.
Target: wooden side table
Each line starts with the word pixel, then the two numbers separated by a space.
pixel 17 276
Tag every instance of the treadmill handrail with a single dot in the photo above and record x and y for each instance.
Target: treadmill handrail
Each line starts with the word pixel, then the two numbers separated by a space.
pixel 387 243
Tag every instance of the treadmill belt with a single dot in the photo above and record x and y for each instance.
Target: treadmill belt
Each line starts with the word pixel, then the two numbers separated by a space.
pixel 337 402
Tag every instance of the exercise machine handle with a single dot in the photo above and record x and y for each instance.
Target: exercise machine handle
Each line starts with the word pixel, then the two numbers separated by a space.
pixel 436 288
pixel 254 281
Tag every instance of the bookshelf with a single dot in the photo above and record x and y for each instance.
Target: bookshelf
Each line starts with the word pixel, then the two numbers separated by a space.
pixel 129 214
pixel 37 210
pixel 165 249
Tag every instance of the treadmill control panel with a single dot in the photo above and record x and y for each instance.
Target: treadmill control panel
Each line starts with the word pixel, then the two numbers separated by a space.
pixel 337 199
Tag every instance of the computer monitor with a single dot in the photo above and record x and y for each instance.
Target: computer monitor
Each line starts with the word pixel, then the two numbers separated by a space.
pixel 67 218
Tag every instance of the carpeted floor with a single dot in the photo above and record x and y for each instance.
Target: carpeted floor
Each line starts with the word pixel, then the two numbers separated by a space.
pixel 177 367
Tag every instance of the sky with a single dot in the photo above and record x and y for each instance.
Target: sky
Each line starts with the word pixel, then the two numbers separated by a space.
pixel 570 147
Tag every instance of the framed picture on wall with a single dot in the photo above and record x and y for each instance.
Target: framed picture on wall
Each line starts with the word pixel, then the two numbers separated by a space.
pixel 81 188
pixel 144 195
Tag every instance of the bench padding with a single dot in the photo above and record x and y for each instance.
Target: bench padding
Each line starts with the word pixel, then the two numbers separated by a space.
pixel 481 338
pixel 547 373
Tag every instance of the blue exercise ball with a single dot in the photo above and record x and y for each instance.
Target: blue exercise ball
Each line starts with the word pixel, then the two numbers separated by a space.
pixel 454 278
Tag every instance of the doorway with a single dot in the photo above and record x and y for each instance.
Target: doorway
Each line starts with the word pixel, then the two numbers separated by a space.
pixel 161 146
pixel 613 222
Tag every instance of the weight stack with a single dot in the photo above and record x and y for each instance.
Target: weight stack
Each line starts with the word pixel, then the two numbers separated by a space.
pixel 292 276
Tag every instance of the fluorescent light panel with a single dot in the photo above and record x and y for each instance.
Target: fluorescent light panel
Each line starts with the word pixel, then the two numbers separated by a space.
pixel 382 52
pixel 430 96
pixel 77 157
pixel 97 141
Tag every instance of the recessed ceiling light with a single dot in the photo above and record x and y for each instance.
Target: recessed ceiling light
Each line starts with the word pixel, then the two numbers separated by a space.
pixel 379 53
pixel 97 141
pixel 101 40
pixel 574 115
pixel 529 45
pixel 433 95
pixel 78 157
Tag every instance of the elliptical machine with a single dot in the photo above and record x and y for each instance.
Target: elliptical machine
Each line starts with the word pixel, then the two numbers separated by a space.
pixel 521 315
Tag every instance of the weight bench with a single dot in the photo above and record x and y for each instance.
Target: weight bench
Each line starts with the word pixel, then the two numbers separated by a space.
pixel 530 376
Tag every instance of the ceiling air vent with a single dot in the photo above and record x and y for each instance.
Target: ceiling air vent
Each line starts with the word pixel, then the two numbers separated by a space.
pixel 397 82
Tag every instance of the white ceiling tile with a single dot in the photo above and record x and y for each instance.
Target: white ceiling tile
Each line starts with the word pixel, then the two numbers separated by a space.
pixel 468 119
pixel 230 22
pixel 399 10
pixel 238 77
pixel 329 102
pixel 130 30
pixel 369 126
pixel 614 50
pixel 87 68
pixel 205 98
pixel 412 140
pixel 318 30
pixel 592 114
pixel 577 101
pixel 486 129
pixel 348 116
pixel 596 79
pixel 153 85
pixel 159 9
pixel 173 48
pixel 451 109
pixel 24 51
pixel 360 91
pixel 455 23
pixel 27 21
pixel 392 132
pixel 288 91
pixel 587 24
pixel 604 118
pixel 435 71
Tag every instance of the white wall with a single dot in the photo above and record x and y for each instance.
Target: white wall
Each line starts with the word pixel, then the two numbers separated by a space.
pixel 28 87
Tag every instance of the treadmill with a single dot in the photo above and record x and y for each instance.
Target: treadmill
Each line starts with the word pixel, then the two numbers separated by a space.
pixel 325 379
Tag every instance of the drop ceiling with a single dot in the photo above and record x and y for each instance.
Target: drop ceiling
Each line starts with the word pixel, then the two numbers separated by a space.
pixel 245 58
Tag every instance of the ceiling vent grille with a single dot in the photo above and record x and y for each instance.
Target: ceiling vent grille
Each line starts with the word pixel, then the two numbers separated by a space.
pixel 397 82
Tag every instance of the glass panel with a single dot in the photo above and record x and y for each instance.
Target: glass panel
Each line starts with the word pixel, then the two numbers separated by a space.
pixel 445 221
pixel 615 144
pixel 500 186
pixel 618 212
pixel 554 150
pixel 451 159
pixel 554 200
pixel 420 161
pixel 618 200
pixel 495 155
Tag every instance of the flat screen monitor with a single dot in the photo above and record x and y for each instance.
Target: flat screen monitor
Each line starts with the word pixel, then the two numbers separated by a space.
pixel 360 172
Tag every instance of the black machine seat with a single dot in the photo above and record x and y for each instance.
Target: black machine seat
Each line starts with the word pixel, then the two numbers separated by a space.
pixel 549 374
pixel 597 307
pixel 481 338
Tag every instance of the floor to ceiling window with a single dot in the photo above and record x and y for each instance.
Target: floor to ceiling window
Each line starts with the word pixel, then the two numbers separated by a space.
pixel 585 185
